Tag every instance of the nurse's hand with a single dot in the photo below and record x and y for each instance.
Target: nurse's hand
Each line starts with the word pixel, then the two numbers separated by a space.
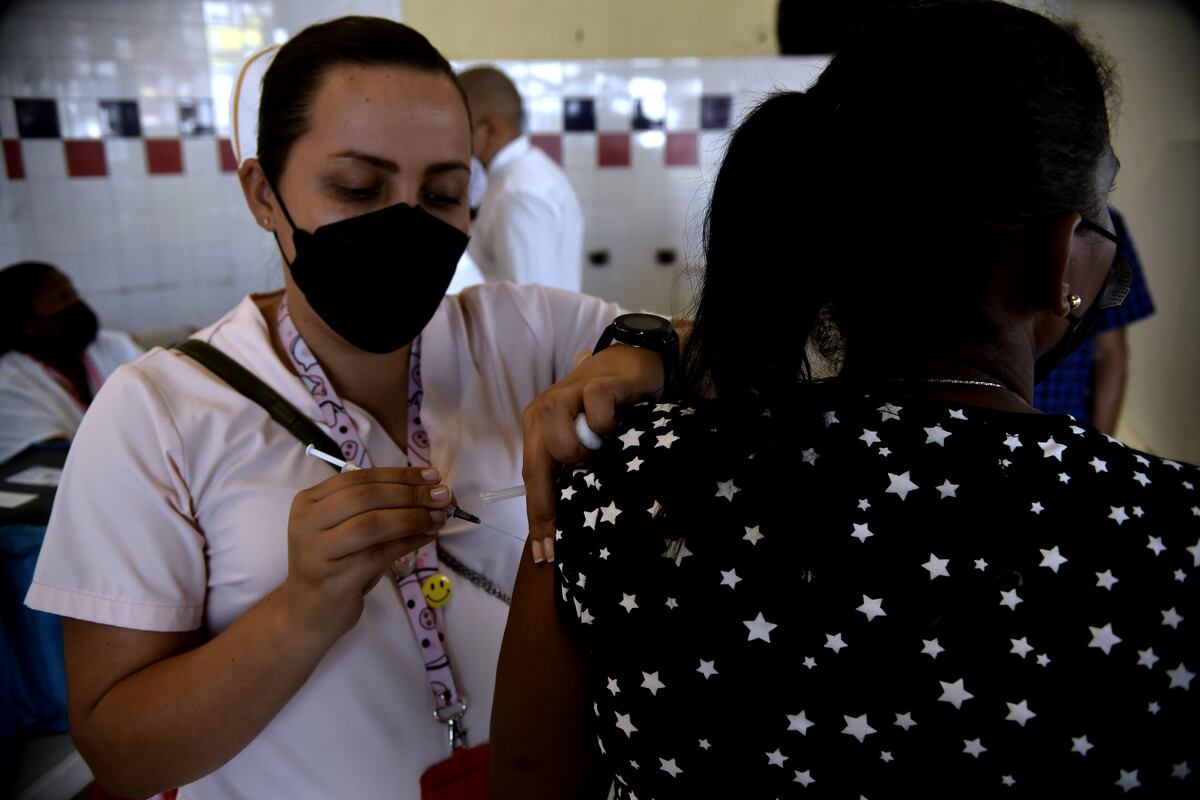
pixel 344 533
pixel 618 375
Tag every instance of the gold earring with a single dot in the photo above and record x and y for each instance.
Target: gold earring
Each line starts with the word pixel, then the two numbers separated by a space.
pixel 266 223
pixel 1075 300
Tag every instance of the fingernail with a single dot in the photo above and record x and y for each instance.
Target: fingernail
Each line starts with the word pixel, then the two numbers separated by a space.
pixel 440 493
pixel 538 556
pixel 430 475
pixel 548 547
pixel 439 517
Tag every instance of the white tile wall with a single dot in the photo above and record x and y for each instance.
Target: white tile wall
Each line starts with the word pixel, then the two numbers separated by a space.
pixel 155 250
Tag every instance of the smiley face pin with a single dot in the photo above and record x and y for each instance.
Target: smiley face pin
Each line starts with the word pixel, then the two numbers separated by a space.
pixel 437 590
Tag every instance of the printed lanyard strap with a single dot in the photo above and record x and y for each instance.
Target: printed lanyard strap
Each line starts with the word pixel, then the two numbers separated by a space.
pixel 428 624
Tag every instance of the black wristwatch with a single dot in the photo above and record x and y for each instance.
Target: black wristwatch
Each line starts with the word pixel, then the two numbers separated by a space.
pixel 649 331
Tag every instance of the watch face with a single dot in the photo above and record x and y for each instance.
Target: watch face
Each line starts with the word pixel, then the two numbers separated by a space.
pixel 643 323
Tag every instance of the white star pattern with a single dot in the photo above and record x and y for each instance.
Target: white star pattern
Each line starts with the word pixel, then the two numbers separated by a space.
pixel 650 681
pixel 1146 658
pixel 957 413
pixel 1118 514
pixel 1141 478
pixel 776 758
pixel 624 724
pixel 612 686
pixel 888 411
pixel 885 756
pixel 1098 465
pixel 932 648
pixel 901 485
pixel 981 564
pixel 830 419
pixel 609 513
pixel 810 456
pixel 666 440
pixel 905 721
pixel 1012 442
pixel 799 722
pixel 810 662
pixel 668 766
pixel 1037 508
pixel 753 535
pixel 1128 780
pixel 631 438
pixel 1171 617
pixel 759 628
pixel 730 578
pixel 707 669
pixel 1052 449
pixel 704 745
pixel 1181 678
pixel 634 465
pixel 677 551
pixel 660 423
pixel 628 601
pixel 947 489
pixel 591 480
pixel 973 747
pixel 1180 770
pixel 857 727
pixel 1080 744
pixel 568 493
pixel 936 435
pixel 727 489
pixel 804 778
pixel 865 504
pixel 861 532
pixel 1195 551
pixel 954 693
pixel 1156 545
pixel 1153 708
pixel 1052 559
pixel 1021 647
pixel 870 437
pixel 664 408
pixel 1103 638
pixel 654 510
pixel 937 567
pixel 672 603
pixel 834 642
pixel 1019 713
pixel 1008 780
pixel 1010 599
pixel 1106 580
pixel 604 554
pixel 1043 660
pixel 872 608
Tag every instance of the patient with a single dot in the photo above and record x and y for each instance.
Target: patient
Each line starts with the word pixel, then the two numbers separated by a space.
pixel 902 581
pixel 53 356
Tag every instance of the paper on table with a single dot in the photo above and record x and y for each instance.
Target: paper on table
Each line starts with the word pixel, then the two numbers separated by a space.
pixel 37 476
pixel 15 499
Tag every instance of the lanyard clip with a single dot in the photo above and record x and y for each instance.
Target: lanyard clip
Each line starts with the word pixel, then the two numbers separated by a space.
pixel 452 717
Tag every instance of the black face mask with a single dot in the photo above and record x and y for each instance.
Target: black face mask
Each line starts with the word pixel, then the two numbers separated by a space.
pixel 1078 332
pixel 63 337
pixel 376 279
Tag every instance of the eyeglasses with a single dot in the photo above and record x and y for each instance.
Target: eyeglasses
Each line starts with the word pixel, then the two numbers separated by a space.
pixel 1120 274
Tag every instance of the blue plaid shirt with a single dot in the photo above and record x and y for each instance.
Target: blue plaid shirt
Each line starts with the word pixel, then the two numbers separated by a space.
pixel 1068 389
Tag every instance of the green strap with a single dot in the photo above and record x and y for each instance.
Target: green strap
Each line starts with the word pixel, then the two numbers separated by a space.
pixel 249 385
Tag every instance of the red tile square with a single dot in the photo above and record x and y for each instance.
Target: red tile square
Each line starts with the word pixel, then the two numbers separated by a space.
pixel 683 150
pixel 164 156
pixel 550 143
pixel 613 150
pixel 14 162
pixel 228 160
pixel 85 158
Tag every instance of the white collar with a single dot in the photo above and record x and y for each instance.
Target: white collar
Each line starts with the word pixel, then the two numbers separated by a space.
pixel 508 154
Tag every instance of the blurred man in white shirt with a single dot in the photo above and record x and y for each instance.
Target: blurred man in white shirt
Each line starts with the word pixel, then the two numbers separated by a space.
pixel 530 227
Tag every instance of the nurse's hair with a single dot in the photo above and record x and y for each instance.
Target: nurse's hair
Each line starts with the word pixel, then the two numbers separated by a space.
pixel 19 286
pixel 882 200
pixel 297 69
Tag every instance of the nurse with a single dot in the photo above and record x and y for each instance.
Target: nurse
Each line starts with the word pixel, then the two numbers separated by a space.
pixel 226 627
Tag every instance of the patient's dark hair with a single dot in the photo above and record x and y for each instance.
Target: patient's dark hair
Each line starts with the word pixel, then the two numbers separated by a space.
pixel 885 194
pixel 19 286
pixel 298 68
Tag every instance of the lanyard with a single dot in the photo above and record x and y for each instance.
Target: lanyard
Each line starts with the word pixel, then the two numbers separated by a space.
pixel 428 623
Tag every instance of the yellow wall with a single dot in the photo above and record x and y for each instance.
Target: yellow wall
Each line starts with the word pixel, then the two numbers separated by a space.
pixel 571 29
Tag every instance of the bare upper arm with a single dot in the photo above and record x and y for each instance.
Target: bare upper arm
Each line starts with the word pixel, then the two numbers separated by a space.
pixel 98 657
pixel 539 730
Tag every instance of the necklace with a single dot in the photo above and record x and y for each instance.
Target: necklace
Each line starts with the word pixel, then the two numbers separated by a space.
pixel 953 381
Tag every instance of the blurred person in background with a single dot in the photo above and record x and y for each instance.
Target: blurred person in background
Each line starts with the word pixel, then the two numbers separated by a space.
pixel 53 356
pixel 530 227
pixel 1090 383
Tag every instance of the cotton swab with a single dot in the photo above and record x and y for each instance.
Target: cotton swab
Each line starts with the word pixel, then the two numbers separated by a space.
pixel 346 466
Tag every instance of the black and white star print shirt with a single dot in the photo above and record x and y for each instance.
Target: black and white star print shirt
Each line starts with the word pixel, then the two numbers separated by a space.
pixel 884 597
